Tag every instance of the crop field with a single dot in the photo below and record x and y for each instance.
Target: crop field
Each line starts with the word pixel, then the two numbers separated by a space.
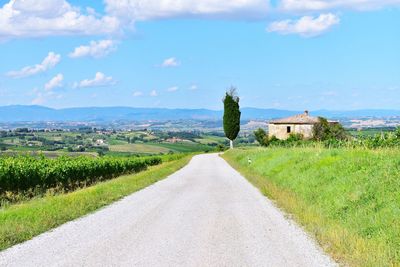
pixel 347 198
pixel 139 148
pixel 30 176
pixel 185 147
pixel 47 154
pixel 105 142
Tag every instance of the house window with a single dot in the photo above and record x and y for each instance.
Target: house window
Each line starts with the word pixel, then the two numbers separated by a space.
pixel 288 129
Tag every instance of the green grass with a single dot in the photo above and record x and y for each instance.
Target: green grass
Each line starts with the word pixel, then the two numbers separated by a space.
pixel 209 139
pixel 348 199
pixel 184 147
pixel 139 148
pixel 22 222
pixel 48 154
pixel 156 148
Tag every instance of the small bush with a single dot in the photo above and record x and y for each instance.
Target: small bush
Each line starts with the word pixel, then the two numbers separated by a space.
pixel 221 148
pixel 262 137
pixel 324 130
pixel 294 137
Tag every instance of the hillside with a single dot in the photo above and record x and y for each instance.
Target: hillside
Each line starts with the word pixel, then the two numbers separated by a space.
pixel 21 113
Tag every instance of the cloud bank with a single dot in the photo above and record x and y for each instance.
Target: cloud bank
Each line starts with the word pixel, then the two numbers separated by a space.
pixel 139 10
pixel 29 18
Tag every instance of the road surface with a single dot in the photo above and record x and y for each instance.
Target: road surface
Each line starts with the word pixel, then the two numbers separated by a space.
pixel 206 214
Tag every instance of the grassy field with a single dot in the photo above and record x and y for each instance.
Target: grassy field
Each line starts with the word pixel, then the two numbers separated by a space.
pixel 139 148
pixel 184 147
pixel 157 148
pixel 21 222
pixel 348 199
pixel 48 154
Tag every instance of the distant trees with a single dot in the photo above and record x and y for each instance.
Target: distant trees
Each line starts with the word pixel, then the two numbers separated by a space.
pixel 232 115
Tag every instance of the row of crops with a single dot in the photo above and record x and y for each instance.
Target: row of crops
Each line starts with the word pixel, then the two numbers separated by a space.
pixel 21 174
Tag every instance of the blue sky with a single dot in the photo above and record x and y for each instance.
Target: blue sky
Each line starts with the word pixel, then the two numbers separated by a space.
pixel 289 54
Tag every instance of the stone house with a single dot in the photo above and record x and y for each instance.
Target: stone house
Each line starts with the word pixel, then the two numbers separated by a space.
pixel 299 124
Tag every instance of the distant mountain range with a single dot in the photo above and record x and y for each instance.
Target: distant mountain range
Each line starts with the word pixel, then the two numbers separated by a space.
pixel 20 113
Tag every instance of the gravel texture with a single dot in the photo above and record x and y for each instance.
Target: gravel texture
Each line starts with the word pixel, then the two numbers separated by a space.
pixel 206 214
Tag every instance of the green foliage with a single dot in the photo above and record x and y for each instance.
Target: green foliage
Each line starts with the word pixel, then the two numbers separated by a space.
pixel 264 140
pixel 347 198
pixel 19 174
pixel 324 130
pixel 221 148
pixel 376 141
pixel 232 114
pixel 262 137
pixel 295 137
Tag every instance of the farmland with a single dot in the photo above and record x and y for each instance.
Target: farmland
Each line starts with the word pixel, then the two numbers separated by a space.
pixel 30 176
pixel 93 142
pixel 48 177
pixel 346 198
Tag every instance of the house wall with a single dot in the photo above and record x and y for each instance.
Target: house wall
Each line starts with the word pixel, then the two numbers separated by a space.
pixel 280 130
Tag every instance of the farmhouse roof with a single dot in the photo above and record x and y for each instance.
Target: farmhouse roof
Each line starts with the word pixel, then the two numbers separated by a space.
pixel 304 118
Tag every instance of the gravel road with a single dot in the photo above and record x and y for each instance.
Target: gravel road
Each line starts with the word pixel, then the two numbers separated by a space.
pixel 206 214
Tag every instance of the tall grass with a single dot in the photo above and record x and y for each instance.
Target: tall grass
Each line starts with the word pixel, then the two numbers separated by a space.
pixel 347 198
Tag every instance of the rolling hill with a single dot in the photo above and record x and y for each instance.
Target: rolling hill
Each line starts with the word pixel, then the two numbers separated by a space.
pixel 21 113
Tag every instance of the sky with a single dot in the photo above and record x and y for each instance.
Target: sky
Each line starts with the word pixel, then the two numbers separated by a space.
pixel 284 54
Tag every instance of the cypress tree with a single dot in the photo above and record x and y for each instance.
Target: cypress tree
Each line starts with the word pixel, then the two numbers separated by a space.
pixel 231 115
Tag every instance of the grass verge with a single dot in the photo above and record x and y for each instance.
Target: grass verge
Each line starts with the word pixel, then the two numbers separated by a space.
pixel 22 222
pixel 347 199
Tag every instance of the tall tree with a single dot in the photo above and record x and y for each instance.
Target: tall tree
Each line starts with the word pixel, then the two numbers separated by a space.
pixel 231 115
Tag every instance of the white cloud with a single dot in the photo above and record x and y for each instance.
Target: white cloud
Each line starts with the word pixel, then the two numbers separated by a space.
pixel 193 87
pixel 134 10
pixel 173 89
pixel 170 62
pixel 153 93
pixel 43 97
pixel 49 62
pixel 100 80
pixel 137 93
pixel 306 26
pixel 55 82
pixel 39 99
pixel 318 5
pixel 29 18
pixel 94 49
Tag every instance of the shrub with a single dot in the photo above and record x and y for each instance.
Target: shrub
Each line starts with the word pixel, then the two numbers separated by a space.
pixel 323 130
pixel 261 137
pixel 294 137
pixel 221 148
